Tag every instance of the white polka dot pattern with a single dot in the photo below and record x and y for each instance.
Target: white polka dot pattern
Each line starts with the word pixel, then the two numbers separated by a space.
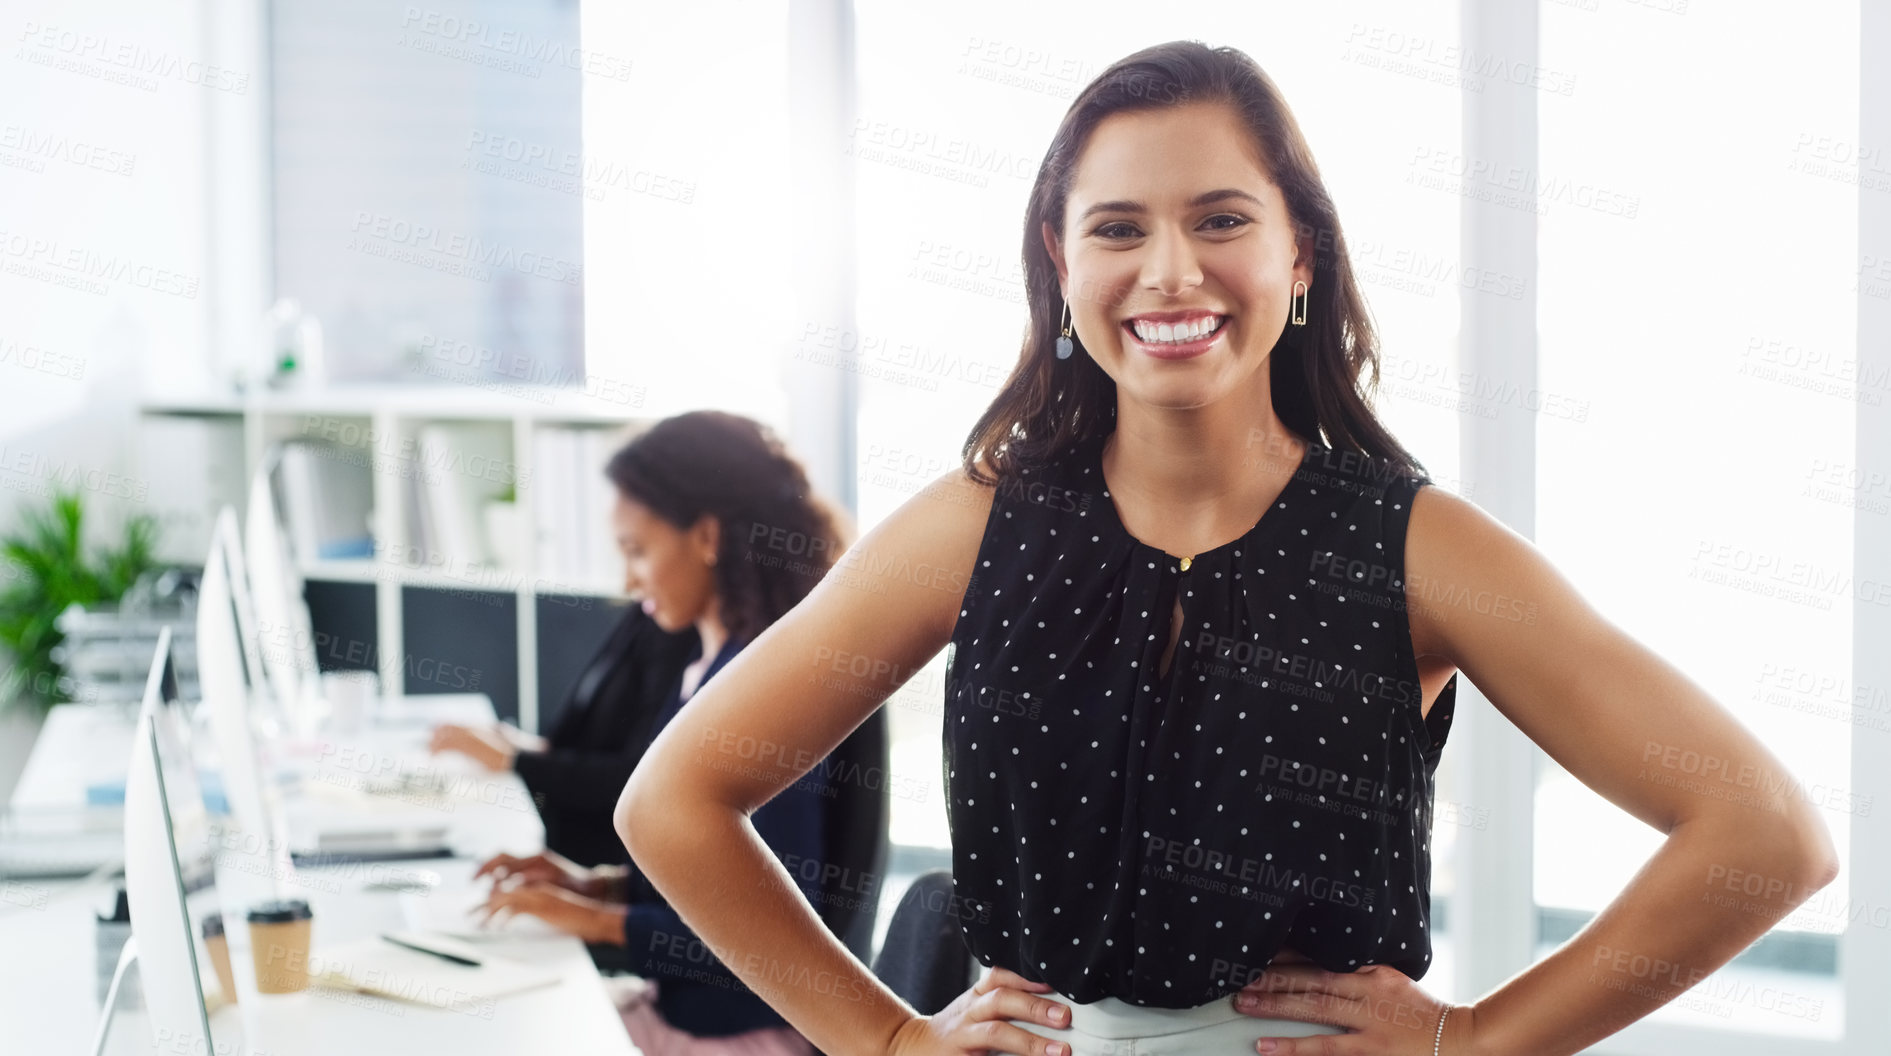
pixel 1121 831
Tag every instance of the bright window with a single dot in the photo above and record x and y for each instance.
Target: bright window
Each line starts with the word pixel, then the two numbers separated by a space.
pixel 1696 323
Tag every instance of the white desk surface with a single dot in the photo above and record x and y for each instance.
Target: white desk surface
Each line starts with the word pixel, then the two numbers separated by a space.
pixel 49 999
pixel 79 745
pixel 48 972
pixel 85 744
pixel 82 745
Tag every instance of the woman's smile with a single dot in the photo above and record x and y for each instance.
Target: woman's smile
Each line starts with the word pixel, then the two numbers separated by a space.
pixel 1184 337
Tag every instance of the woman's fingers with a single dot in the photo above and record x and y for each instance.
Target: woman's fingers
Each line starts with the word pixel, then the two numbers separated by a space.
pixel 1293 977
pixel 524 898
pixel 1004 994
pixel 485 912
pixel 1007 1003
pixel 532 868
pixel 995 1035
pixel 499 865
pixel 1308 1006
pixel 998 976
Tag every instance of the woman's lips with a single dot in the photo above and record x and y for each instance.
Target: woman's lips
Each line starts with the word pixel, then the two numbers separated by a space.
pixel 1176 349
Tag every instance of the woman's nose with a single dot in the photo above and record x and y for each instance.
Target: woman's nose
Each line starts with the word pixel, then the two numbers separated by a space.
pixel 1171 265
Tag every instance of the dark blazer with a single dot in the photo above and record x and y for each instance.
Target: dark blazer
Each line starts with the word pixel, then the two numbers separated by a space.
pixel 829 829
pixel 600 734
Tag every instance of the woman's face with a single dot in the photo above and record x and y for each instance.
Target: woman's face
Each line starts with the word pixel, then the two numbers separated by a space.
pixel 1139 245
pixel 666 568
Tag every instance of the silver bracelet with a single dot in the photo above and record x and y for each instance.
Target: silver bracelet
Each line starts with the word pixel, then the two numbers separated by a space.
pixel 1439 1040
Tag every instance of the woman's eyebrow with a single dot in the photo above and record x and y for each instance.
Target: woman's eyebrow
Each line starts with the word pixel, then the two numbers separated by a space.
pixel 1205 198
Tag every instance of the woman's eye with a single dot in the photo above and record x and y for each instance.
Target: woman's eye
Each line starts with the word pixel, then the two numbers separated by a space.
pixel 1122 229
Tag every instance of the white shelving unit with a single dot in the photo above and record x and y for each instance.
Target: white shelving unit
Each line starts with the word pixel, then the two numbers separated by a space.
pixel 383 424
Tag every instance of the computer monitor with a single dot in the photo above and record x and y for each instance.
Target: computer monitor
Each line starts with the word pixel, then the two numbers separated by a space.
pixel 169 869
pixel 229 676
pixel 282 615
pixel 242 593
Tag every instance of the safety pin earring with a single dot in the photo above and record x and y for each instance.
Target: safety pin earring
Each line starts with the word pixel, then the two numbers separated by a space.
pixel 1299 303
pixel 1064 344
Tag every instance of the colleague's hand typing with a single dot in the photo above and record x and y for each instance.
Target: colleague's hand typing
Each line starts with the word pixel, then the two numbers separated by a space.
pixel 485 745
pixel 519 739
pixel 550 867
pixel 588 918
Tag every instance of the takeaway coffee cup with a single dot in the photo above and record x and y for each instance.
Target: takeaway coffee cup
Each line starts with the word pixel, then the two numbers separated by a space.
pixel 279 945
pixel 218 946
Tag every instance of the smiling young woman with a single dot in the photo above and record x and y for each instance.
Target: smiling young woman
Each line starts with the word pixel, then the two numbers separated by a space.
pixel 1237 609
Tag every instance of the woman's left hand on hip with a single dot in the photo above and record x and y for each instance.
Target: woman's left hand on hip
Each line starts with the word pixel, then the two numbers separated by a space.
pixel 1383 1009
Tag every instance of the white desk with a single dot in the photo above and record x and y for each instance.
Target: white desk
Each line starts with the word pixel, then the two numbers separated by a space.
pixel 79 745
pixel 84 745
pixel 48 998
pixel 48 974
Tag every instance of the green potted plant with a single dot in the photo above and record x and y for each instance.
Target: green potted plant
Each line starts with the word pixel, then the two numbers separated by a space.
pixel 46 568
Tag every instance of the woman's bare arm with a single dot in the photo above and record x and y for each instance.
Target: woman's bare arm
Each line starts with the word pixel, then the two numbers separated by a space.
pixel 781 705
pixel 1644 736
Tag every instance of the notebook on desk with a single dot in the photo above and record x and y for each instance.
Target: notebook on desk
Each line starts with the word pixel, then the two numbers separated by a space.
pixel 379 966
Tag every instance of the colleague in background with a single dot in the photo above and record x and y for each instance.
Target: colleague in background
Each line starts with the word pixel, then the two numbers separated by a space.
pixel 721 536
pixel 596 738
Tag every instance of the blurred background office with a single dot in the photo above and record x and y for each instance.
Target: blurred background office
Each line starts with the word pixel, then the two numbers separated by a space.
pixel 429 264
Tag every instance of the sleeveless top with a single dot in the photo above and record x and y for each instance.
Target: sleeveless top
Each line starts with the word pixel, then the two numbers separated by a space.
pixel 1157 839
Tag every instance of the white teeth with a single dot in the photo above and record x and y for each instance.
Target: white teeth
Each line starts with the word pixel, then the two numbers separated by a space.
pixel 1173 333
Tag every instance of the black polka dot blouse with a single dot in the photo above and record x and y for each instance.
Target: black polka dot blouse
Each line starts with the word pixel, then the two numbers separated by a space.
pixel 1119 831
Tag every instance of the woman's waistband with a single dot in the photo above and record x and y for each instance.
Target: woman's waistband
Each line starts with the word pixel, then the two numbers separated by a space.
pixel 1112 1017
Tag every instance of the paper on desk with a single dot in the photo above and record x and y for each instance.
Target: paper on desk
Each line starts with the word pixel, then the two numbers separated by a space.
pixel 377 966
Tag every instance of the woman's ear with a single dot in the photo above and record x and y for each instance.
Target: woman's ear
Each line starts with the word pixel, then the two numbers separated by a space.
pixel 1056 251
pixel 707 537
pixel 1303 260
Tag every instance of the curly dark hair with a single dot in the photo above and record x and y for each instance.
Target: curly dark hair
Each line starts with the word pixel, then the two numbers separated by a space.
pixel 777 537
pixel 1048 405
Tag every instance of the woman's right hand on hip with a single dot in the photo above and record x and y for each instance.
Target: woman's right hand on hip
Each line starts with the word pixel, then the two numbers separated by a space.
pixel 975 1022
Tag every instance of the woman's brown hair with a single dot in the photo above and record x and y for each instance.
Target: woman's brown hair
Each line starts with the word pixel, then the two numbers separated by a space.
pixel 777 537
pixel 1049 405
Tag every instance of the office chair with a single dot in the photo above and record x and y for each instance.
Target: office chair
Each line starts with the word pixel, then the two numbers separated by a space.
pixel 924 959
pixel 856 778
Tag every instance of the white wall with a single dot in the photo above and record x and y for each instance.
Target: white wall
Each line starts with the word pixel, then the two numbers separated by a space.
pixel 106 275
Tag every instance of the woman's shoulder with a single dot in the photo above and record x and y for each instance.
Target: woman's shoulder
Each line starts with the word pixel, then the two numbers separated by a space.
pixel 926 548
pixel 951 506
pixel 954 509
